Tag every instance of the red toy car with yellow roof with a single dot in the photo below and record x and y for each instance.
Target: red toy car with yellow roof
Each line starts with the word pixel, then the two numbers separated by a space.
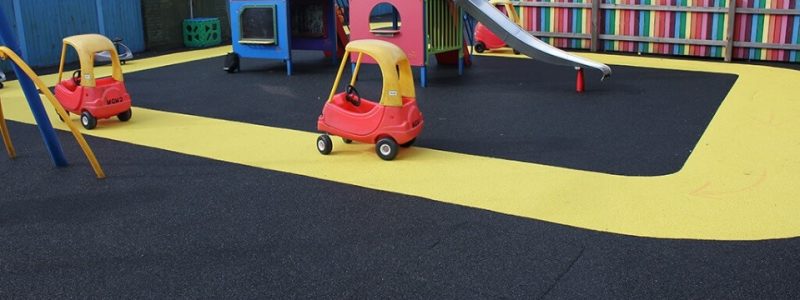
pixel 83 94
pixel 394 120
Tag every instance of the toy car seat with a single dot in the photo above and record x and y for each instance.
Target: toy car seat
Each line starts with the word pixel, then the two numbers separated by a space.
pixel 70 84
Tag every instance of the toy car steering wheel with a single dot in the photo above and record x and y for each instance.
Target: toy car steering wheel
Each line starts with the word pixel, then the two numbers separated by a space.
pixel 352 95
pixel 76 77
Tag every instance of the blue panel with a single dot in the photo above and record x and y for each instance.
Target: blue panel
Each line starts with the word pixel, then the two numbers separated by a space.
pixel 123 18
pixel 254 24
pixel 304 17
pixel 280 50
pixel 46 22
pixel 8 8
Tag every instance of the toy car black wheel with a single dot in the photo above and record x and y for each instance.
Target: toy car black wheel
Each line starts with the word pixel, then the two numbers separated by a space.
pixel 125 116
pixel 409 143
pixel 88 121
pixel 386 148
pixel 324 144
pixel 347 141
pixel 480 47
pixel 515 51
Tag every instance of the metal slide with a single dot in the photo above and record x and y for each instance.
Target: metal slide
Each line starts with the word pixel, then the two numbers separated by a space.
pixel 523 41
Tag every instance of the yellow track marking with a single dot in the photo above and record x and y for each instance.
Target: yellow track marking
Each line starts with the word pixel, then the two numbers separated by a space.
pixel 738 184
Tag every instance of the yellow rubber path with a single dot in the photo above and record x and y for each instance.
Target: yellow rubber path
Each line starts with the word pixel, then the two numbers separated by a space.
pixel 740 182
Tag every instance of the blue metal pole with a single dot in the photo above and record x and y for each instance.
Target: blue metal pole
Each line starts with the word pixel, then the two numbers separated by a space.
pixel 423 81
pixel 35 103
pixel 287 31
pixel 333 32
pixel 422 72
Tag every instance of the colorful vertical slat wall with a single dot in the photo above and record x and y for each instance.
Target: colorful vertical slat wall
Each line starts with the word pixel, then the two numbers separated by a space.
pixel 561 20
pixel 666 24
pixel 762 28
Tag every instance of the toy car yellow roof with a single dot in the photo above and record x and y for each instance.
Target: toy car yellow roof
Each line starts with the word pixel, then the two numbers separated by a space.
pixel 86 45
pixel 398 81
pixel 89 43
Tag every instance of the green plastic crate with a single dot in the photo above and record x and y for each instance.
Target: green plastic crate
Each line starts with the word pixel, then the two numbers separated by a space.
pixel 201 32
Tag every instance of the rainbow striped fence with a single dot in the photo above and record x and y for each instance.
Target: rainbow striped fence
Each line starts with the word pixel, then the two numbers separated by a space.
pixel 751 29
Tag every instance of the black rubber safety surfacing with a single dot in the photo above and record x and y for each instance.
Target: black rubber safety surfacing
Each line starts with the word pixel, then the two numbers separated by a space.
pixel 641 122
pixel 163 224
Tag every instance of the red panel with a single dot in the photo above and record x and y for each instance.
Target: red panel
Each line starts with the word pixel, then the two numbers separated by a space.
pixel 411 37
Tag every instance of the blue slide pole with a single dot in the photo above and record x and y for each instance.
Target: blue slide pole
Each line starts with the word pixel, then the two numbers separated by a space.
pixel 45 128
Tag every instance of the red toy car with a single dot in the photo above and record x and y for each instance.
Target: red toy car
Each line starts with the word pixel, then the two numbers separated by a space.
pixel 485 39
pixel 394 120
pixel 87 96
